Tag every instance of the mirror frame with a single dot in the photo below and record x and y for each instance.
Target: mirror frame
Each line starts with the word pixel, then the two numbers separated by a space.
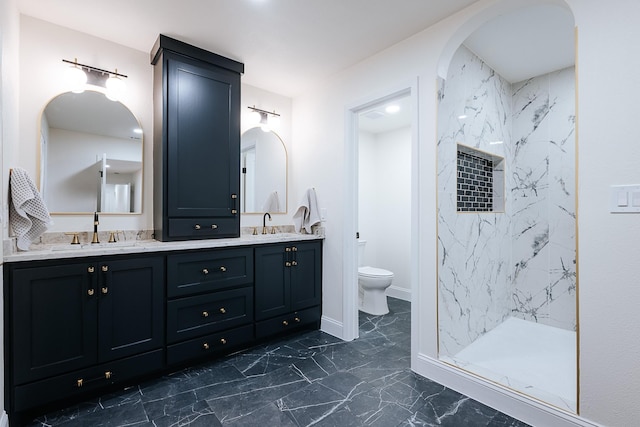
pixel 39 157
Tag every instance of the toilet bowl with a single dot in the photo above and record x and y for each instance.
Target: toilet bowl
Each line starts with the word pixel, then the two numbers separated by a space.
pixel 373 283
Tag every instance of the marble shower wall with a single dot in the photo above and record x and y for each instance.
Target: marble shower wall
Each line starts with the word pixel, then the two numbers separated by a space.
pixel 542 189
pixel 519 262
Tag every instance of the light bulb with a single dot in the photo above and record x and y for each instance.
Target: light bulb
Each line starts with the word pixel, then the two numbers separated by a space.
pixel 76 78
pixel 254 118
pixel 273 121
pixel 115 87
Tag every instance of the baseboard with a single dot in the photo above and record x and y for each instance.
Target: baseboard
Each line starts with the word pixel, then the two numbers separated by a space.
pixel 510 402
pixel 4 420
pixel 398 292
pixel 332 327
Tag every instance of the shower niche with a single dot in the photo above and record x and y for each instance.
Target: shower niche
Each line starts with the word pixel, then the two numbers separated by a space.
pixel 507 263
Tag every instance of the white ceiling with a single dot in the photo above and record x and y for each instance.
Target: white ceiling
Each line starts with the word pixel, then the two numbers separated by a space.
pixel 286 45
pixel 289 45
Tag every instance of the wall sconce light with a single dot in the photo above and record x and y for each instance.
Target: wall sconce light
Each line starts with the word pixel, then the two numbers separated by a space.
pixel 266 119
pixel 79 75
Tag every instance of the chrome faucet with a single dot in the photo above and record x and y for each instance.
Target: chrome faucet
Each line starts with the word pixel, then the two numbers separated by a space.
pixel 264 222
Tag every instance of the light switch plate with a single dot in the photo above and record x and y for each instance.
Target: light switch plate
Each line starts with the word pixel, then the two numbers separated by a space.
pixel 625 199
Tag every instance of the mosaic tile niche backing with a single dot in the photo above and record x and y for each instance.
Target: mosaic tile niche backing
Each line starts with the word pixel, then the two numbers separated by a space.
pixel 475 182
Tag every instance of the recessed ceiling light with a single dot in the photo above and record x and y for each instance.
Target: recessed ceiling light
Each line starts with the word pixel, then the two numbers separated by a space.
pixel 392 109
pixel 495 142
pixel 137 130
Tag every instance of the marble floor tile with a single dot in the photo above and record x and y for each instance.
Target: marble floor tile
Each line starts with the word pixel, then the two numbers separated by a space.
pixel 307 379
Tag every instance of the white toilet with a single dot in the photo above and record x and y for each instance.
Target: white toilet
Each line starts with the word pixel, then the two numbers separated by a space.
pixel 373 282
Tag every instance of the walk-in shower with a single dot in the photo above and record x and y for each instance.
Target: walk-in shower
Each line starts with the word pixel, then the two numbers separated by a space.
pixel 507 228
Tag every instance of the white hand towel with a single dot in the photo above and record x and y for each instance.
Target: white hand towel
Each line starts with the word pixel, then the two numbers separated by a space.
pixel 28 215
pixel 272 204
pixel 308 214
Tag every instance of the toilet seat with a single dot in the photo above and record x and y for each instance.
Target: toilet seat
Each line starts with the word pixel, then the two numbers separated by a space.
pixel 373 272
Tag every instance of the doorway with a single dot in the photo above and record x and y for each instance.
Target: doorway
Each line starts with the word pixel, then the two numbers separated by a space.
pixel 381 136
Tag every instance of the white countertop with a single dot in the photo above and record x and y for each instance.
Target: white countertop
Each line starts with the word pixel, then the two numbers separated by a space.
pixel 62 251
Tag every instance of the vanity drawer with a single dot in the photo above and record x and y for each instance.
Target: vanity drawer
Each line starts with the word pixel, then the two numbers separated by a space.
pixel 209 344
pixel 207 271
pixel 79 382
pixel 194 228
pixel 203 314
pixel 287 322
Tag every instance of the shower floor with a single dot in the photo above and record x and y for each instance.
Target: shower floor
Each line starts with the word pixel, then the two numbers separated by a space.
pixel 537 360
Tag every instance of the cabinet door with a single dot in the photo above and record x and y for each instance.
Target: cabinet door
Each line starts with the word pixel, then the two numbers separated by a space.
pixel 53 327
pixel 131 307
pixel 272 282
pixel 306 275
pixel 203 129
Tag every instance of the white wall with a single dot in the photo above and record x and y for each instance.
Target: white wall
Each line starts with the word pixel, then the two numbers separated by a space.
pixel 608 84
pixel 384 204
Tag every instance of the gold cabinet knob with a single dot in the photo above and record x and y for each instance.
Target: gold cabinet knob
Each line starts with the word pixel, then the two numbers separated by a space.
pixel 297 319
pixel 223 341
pixel 105 290
pixel 205 271
pixel 294 263
pixel 223 310
pixel 214 226
pixel 105 268
pixel 91 269
pixel 285 323
pixel 223 268
pixel 234 211
pixel 197 227
pixel 107 375
pixel 287 264
pixel 205 314
pixel 79 383
pixel 205 346
pixel 90 292
pixel 294 249
pixel 287 249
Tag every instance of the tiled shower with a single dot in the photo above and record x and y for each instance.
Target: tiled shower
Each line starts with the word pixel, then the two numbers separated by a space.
pixel 515 256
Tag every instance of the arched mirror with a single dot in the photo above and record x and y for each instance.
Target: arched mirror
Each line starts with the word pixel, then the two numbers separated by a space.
pixel 507 258
pixel 263 178
pixel 91 155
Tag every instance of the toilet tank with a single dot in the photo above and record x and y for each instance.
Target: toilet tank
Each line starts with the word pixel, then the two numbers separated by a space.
pixel 361 244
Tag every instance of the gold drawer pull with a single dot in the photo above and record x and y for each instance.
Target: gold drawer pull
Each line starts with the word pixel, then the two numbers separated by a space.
pixel 223 341
pixel 108 374
pixel 297 319
pixel 105 268
pixel 223 310
pixel 105 290
pixel 79 382
pixel 214 226
pixel 205 271
pixel 197 227
pixel 223 268
pixel 234 211
pixel 91 269
pixel 205 346
pixel 205 314
pixel 285 323
pixel 90 292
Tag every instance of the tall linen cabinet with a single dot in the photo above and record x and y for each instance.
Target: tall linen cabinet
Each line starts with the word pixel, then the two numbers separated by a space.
pixel 196 146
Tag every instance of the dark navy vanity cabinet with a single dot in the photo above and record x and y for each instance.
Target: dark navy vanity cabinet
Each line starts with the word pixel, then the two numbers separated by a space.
pixel 81 326
pixel 72 327
pixel 196 153
pixel 287 286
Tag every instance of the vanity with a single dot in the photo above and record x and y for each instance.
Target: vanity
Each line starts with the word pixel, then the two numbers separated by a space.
pixel 80 322
pixel 83 319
